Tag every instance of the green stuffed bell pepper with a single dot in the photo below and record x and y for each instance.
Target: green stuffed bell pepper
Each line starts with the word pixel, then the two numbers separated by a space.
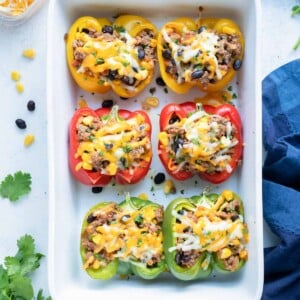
pixel 184 256
pixel 205 232
pixel 123 238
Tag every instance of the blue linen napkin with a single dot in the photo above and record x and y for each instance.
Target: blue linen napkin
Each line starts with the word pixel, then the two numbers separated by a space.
pixel 281 180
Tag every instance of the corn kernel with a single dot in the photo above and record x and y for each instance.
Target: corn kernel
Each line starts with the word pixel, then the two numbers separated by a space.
pixel 28 140
pixel 149 103
pixel 97 239
pixel 228 195
pixel 15 75
pixel 87 120
pixel 96 265
pixel 20 87
pixel 29 53
pixel 143 196
pixel 82 103
pixel 226 252
pixel 169 187
pixel 244 254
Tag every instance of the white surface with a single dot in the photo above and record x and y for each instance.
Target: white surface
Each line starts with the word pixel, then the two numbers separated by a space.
pixel 30 214
pixel 69 200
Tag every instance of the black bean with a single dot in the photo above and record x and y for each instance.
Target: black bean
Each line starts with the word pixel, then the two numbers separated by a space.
pixel 97 189
pixel 107 103
pixel 167 54
pixel 141 53
pixel 108 29
pixel 31 105
pixel 160 81
pixel 135 69
pixel 197 74
pixel 128 80
pixel 123 161
pixel 159 178
pixel 180 52
pixel 112 74
pixel 201 29
pixel 181 211
pixel 174 119
pixel 152 90
pixel 108 146
pixel 85 30
pixel 21 123
pixel 91 218
pixel 237 64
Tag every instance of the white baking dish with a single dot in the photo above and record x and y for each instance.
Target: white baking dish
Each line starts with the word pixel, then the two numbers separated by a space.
pixel 69 200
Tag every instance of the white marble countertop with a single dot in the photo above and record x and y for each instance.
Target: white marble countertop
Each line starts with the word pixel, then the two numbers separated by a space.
pixel 30 214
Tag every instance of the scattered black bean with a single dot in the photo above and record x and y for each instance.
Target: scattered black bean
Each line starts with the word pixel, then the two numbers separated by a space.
pixel 97 189
pixel 152 90
pixel 197 74
pixel 107 29
pixel 21 123
pixel 31 105
pixel 201 29
pixel 160 81
pixel 91 218
pixel 107 103
pixel 237 64
pixel 159 178
pixel 167 54
pixel 141 53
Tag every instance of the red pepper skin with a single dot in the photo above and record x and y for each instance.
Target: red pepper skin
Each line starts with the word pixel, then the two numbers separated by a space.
pixel 95 178
pixel 181 111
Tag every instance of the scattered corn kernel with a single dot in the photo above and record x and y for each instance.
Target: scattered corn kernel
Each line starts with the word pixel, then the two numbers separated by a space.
pixel 28 140
pixel 226 252
pixel 15 75
pixel 149 103
pixel 29 53
pixel 82 103
pixel 228 195
pixel 143 196
pixel 20 87
pixel 169 187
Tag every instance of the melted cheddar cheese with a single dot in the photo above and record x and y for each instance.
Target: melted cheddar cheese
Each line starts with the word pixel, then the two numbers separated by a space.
pixel 15 7
pixel 201 142
pixel 112 143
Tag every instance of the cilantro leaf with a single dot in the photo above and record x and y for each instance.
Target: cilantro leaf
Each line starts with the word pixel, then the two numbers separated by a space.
pixel 297 44
pixel 295 10
pixel 41 297
pixel 15 186
pixel 15 284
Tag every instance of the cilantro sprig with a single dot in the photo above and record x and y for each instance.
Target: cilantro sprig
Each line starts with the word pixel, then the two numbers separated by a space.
pixel 15 281
pixel 14 186
pixel 295 10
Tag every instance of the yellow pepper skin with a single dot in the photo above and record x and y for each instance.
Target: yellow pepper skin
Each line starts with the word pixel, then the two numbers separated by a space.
pixel 109 54
pixel 180 27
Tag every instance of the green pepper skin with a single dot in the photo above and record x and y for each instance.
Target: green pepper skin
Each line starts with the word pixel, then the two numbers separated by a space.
pixel 111 269
pixel 219 265
pixel 182 273
pixel 139 269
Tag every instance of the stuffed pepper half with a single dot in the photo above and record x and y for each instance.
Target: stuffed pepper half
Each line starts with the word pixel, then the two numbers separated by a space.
pixel 205 54
pixel 109 143
pixel 200 139
pixel 203 233
pixel 119 55
pixel 123 238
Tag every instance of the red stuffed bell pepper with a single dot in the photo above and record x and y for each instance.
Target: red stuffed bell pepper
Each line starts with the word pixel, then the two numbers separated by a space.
pixel 109 143
pixel 203 140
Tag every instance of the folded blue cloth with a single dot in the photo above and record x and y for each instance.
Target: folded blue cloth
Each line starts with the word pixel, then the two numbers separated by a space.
pixel 281 180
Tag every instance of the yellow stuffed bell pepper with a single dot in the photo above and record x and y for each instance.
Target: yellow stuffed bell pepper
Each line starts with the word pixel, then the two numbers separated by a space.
pixel 206 53
pixel 120 55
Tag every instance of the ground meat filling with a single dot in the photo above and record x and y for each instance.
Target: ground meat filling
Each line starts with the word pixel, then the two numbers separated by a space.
pixel 140 48
pixel 215 56
pixel 113 233
pixel 213 158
